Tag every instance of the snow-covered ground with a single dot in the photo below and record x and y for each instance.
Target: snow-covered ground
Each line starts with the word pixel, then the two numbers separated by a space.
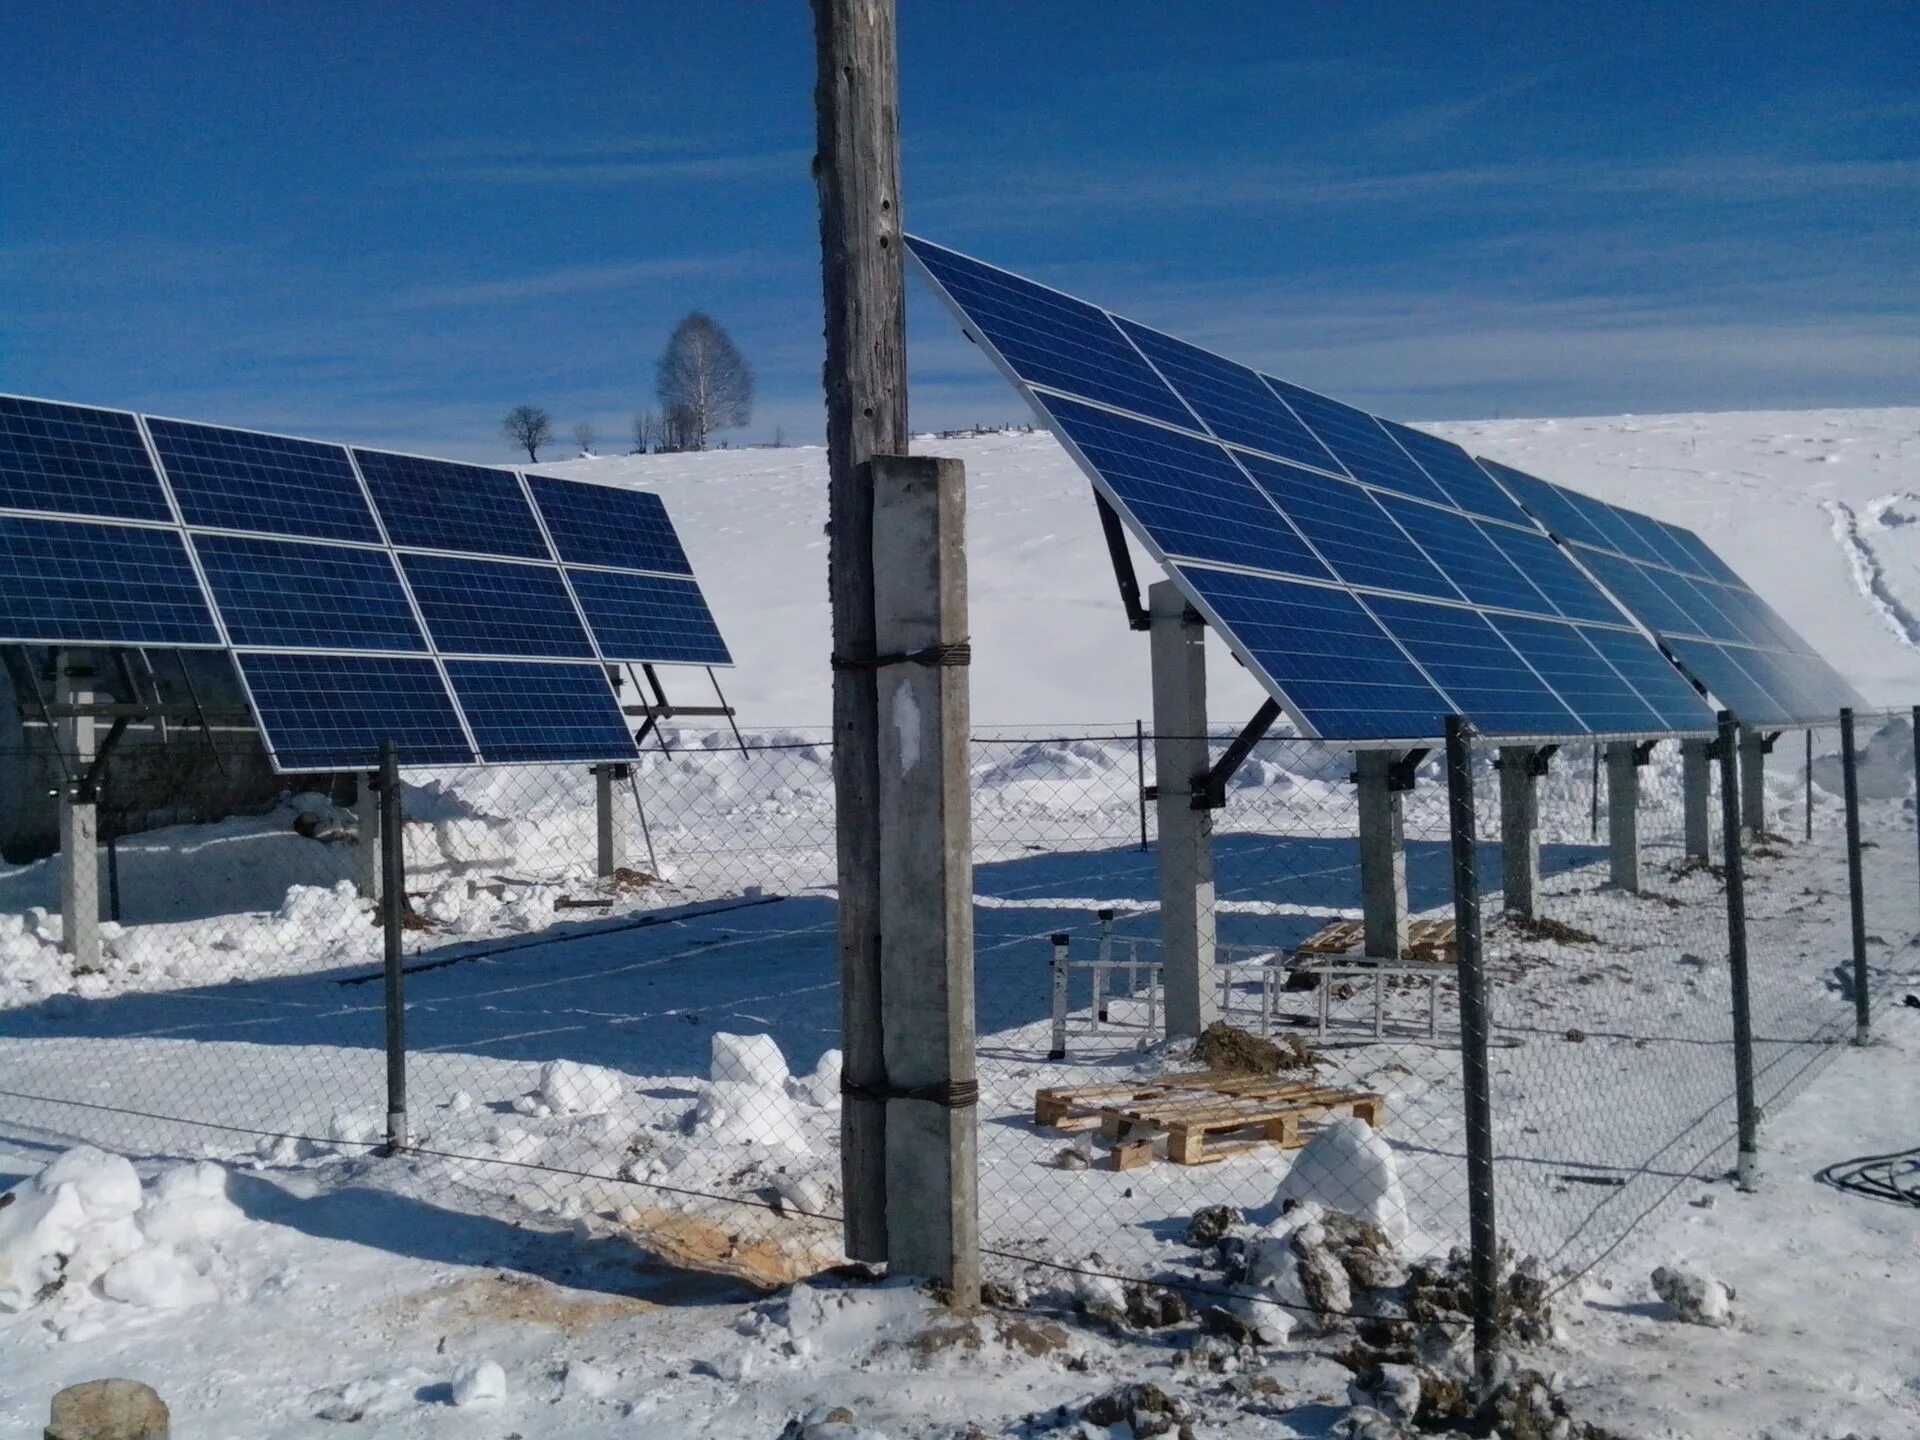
pixel 571 1083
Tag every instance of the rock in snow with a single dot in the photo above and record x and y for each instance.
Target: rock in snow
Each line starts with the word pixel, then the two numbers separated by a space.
pixel 1693 1297
pixel 479 1382
pixel 1348 1168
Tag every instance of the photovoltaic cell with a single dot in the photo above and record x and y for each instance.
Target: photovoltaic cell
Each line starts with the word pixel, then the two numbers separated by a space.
pixel 75 582
pixel 1235 403
pixel 647 618
pixel 1653 677
pixel 1325 653
pixel 239 480
pixel 288 595
pixel 1731 682
pixel 1553 574
pixel 522 712
pixel 1454 471
pixel 1052 339
pixel 485 607
pixel 604 525
pixel 1465 555
pixel 1603 699
pixel 1468 659
pixel 1351 532
pixel 1549 504
pixel 330 712
pixel 1186 492
pixel 1360 443
pixel 442 505
pixel 72 460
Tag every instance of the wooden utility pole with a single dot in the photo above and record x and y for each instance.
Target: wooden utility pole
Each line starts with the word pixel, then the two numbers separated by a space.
pixel 857 167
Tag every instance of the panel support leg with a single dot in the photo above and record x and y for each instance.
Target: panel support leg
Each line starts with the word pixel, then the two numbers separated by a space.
pixel 79 817
pixel 1181 762
pixel 610 841
pixel 1696 779
pixel 1520 769
pixel 366 857
pixel 1753 780
pixel 1623 814
pixel 1383 855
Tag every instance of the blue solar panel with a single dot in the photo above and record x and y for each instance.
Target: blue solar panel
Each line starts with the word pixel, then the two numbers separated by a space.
pixel 1678 704
pixel 1325 653
pixel 1603 699
pixel 1553 575
pixel 485 607
pixel 1706 561
pixel 74 582
pixel 1465 555
pixel 1731 683
pixel 1549 504
pixel 1453 470
pixel 70 460
pixel 1235 403
pixel 607 525
pixel 1185 492
pixel 1352 533
pixel 1467 658
pixel 1359 443
pixel 239 480
pixel 525 712
pixel 288 595
pixel 639 618
pixel 330 712
pixel 441 505
pixel 1051 339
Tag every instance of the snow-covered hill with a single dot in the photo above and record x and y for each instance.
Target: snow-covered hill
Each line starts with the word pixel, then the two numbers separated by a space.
pixel 1814 508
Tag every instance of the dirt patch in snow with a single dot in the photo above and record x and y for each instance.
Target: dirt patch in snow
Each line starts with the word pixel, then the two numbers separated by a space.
pixel 504 1299
pixel 1222 1047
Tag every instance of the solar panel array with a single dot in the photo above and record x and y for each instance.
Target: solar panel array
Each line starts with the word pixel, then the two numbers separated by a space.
pixel 467 614
pixel 1375 577
pixel 1712 621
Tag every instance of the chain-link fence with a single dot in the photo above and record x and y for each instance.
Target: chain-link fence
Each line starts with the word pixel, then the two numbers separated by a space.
pixel 619 994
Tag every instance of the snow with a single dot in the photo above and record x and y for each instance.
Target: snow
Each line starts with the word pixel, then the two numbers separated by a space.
pixel 479 1382
pixel 570 1088
pixel 1346 1167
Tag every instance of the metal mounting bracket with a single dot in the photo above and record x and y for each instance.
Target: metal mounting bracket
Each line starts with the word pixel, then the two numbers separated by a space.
pixel 1122 558
pixel 1210 789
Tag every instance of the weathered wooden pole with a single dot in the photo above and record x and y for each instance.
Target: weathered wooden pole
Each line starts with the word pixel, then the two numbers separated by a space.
pixel 857 169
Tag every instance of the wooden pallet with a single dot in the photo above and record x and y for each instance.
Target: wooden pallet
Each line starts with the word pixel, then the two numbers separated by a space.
pixel 1205 1117
pixel 1081 1108
pixel 1427 940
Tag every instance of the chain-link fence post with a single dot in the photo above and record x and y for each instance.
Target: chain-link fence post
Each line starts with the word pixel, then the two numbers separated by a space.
pixel 1727 749
pixel 393 910
pixel 1856 881
pixel 1140 776
pixel 1474 1024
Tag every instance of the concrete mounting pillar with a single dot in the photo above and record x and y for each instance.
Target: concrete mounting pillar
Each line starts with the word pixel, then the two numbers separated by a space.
pixel 79 819
pixel 610 841
pixel 1180 759
pixel 366 853
pixel 1383 855
pixel 1520 769
pixel 1696 779
pixel 1623 814
pixel 1753 780
pixel 926 874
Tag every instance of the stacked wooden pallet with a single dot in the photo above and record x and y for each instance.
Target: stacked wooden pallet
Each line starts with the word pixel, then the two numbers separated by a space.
pixel 1203 1118
pixel 1427 940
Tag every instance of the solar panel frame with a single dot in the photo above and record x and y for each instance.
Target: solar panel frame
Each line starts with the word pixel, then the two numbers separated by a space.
pixel 295 695
pixel 359 592
pixel 494 694
pixel 497 608
pixel 227 479
pixel 73 582
pixel 39 475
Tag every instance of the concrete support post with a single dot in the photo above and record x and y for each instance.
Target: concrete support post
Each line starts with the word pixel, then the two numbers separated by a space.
pixel 1520 770
pixel 366 855
pixel 1623 814
pixel 610 841
pixel 1383 856
pixel 79 817
pixel 1696 780
pixel 926 872
pixel 1753 780
pixel 1180 760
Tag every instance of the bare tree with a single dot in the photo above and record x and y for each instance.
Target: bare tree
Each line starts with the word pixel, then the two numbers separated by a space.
pixel 584 436
pixel 704 381
pixel 779 437
pixel 528 427
pixel 646 431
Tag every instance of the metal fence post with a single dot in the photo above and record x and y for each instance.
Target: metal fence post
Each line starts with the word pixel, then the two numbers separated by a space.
pixel 1474 1024
pixel 1809 782
pixel 1727 752
pixel 1914 721
pixel 1856 882
pixel 393 909
pixel 1058 1050
pixel 1140 776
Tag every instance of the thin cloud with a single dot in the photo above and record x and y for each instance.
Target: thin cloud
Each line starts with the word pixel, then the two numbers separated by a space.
pixel 569 280
pixel 588 170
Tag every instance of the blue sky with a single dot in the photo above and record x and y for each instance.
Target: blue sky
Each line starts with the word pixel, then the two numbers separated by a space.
pixel 388 223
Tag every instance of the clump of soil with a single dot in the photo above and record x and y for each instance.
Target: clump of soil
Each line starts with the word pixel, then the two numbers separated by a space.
pixel 1222 1047
pixel 626 879
pixel 1543 927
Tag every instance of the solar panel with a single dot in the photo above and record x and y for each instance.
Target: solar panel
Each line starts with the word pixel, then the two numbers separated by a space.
pixel 239 480
pixel 71 460
pixel 68 582
pixel 607 525
pixel 1412 553
pixel 287 595
pixel 330 712
pixel 484 607
pixel 443 505
pixel 649 618
pixel 525 712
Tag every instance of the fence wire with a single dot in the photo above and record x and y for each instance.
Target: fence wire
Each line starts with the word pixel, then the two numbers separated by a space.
pixel 622 1001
